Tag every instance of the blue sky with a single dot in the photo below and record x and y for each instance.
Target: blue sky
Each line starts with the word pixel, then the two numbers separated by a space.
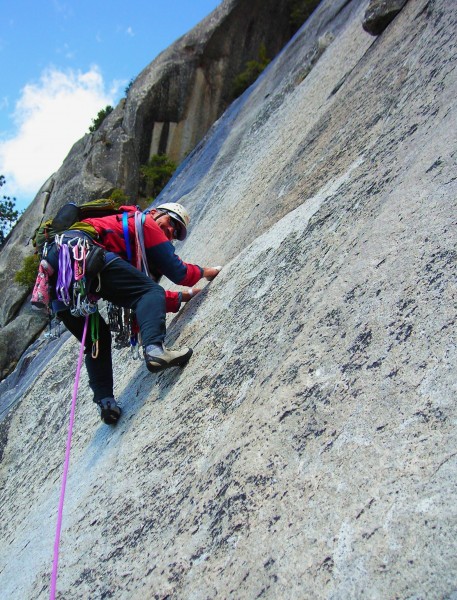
pixel 61 61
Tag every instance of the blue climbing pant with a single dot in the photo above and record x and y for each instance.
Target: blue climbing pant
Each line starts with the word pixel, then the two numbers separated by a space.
pixel 125 286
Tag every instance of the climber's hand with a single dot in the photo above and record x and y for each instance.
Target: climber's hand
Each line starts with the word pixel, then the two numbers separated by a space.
pixel 210 273
pixel 190 293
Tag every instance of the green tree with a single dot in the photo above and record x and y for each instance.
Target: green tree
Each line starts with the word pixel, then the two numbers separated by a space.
pixel 101 116
pixel 127 89
pixel 300 10
pixel 119 196
pixel 252 70
pixel 8 214
pixel 157 173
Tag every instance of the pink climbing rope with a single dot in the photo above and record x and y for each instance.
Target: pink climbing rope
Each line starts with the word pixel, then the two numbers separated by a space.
pixel 66 464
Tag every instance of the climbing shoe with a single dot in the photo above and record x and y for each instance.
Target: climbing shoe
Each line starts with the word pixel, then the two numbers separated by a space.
pixel 158 357
pixel 110 411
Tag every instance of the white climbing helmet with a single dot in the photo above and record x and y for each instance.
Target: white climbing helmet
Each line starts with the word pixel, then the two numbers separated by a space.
pixel 179 214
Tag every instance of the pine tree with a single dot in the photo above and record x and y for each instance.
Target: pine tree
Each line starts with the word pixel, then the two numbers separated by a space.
pixel 8 214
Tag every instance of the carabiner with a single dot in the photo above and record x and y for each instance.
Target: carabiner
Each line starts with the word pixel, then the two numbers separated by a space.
pixel 79 255
pixel 95 349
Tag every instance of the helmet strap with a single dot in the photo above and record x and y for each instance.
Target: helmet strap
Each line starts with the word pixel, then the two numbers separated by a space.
pixel 159 214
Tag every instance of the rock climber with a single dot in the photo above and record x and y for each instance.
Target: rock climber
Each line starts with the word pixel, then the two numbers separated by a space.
pixel 126 286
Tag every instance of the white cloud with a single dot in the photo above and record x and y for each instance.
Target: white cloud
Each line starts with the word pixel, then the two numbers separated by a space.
pixel 116 85
pixel 66 51
pixel 129 31
pixel 50 117
pixel 63 9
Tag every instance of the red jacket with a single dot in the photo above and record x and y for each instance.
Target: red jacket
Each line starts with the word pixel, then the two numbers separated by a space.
pixel 160 253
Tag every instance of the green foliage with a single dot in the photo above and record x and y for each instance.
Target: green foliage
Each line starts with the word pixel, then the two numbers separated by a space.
pixel 102 114
pixel 300 10
pixel 252 70
pixel 127 89
pixel 119 196
pixel 144 203
pixel 8 214
pixel 27 274
pixel 157 173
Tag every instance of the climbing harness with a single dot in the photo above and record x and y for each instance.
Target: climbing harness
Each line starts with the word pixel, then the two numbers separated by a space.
pixel 66 465
pixel 79 264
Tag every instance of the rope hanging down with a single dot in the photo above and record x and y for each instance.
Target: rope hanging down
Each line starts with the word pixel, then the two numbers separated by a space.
pixel 63 285
pixel 66 465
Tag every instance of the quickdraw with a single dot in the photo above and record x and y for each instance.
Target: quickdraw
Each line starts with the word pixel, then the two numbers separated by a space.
pixel 135 351
pixel 81 303
pixel 79 256
pixel 94 332
pixel 125 327
pixel 114 317
pixel 134 336
pixel 54 329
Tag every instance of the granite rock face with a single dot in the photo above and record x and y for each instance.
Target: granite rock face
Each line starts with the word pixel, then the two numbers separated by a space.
pixel 308 448
pixel 169 108
pixel 380 13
